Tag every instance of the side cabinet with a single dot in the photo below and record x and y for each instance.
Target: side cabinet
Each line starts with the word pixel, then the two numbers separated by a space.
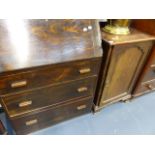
pixel 123 60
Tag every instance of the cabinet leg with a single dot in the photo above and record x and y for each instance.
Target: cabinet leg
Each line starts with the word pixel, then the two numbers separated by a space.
pixel 96 109
pixel 127 99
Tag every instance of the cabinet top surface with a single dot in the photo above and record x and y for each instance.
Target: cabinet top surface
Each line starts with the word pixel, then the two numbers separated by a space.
pixel 134 36
pixel 32 43
pixel 144 25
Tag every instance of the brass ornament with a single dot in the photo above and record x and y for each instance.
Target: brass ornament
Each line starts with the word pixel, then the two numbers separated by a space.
pixel 118 26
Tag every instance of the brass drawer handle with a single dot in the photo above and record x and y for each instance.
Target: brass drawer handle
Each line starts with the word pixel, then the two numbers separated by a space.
pixel 31 122
pixel 153 67
pixel 19 84
pixel 149 86
pixel 25 103
pixel 81 107
pixel 84 70
pixel 82 89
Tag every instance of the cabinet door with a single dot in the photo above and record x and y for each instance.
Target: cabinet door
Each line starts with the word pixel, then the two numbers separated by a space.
pixel 125 64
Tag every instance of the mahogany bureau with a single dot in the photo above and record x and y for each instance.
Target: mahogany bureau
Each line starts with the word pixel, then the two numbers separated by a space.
pixel 123 60
pixel 48 70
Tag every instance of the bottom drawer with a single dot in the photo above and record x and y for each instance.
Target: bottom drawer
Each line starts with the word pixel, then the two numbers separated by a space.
pixel 145 87
pixel 38 120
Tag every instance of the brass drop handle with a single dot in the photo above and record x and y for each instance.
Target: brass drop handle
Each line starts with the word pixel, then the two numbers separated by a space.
pixel 82 89
pixel 81 107
pixel 25 104
pixel 31 122
pixel 19 84
pixel 84 70
pixel 149 86
pixel 153 67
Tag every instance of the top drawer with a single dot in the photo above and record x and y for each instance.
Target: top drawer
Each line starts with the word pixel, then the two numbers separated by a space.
pixel 48 75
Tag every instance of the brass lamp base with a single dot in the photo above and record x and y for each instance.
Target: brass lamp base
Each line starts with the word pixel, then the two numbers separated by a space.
pixel 116 30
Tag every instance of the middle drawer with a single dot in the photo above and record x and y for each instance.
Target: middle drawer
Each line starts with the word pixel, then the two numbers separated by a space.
pixel 17 104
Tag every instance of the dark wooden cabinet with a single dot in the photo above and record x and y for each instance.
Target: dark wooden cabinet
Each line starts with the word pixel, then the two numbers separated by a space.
pixel 146 81
pixel 123 60
pixel 48 70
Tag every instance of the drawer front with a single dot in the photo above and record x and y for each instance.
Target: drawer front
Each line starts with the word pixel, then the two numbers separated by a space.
pixel 149 70
pixel 144 87
pixel 146 77
pixel 149 85
pixel 18 104
pixel 48 75
pixel 150 73
pixel 49 117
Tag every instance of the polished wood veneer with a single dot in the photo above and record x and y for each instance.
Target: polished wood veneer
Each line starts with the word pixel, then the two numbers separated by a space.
pixel 31 43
